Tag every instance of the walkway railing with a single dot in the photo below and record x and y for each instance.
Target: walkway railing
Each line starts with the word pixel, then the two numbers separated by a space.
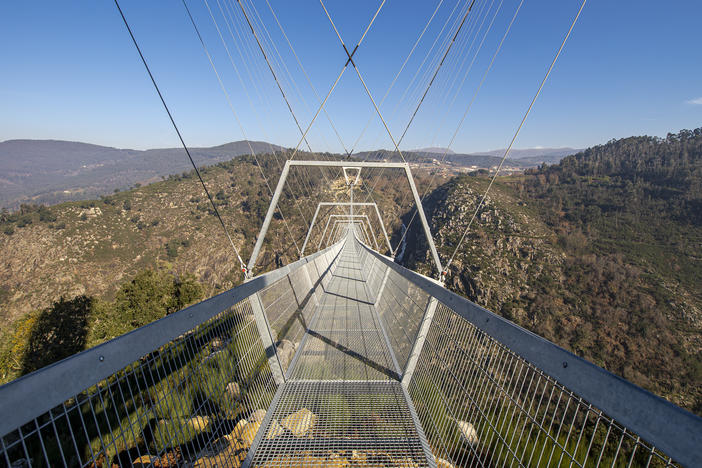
pixel 168 392
pixel 489 393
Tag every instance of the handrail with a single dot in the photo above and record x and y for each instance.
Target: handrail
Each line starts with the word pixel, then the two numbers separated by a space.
pixel 669 428
pixel 52 385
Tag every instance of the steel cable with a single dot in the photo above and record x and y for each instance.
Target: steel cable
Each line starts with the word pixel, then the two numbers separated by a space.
pixel 516 133
pixel 180 137
pixel 236 117
pixel 460 124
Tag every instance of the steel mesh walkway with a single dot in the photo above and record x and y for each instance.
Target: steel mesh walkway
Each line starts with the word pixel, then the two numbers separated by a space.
pixel 342 401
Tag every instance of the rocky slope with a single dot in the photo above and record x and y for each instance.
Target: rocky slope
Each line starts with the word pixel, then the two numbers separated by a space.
pixel 89 247
pixel 619 289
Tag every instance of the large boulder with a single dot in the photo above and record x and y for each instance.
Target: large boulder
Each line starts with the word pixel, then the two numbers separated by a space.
pixel 257 416
pixel 198 423
pixel 441 463
pixel 233 391
pixel 146 461
pixel 468 433
pixel 249 433
pixel 235 435
pixel 300 422
pixel 274 430
pixel 286 351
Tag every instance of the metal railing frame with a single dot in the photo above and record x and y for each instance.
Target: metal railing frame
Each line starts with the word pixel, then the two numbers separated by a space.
pixel 356 164
pixel 343 204
pixel 52 385
pixel 362 220
pixel 671 429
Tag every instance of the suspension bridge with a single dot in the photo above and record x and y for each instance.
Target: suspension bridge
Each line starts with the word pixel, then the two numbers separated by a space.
pixel 341 358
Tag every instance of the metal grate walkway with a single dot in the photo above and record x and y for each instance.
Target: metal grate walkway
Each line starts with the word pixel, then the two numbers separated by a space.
pixel 342 401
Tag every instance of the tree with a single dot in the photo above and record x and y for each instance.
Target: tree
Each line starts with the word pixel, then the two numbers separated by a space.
pixel 60 331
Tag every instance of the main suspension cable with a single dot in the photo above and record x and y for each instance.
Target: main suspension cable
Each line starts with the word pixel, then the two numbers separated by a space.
pixel 343 69
pixel 436 72
pixel 516 133
pixel 309 80
pixel 358 72
pixel 180 137
pixel 229 17
pixel 231 61
pixel 397 75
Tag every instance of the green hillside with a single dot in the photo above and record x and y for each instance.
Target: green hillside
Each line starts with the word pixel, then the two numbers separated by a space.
pixel 600 254
pixel 82 258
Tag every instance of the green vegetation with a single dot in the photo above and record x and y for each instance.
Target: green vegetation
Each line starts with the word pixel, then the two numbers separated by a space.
pixel 599 254
pixel 70 326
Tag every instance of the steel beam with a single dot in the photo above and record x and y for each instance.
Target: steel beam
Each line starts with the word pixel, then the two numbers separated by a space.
pixel 423 218
pixel 346 164
pixel 324 233
pixel 281 183
pixel 344 204
pixel 309 231
pixel 264 330
pixel 267 220
pixel 419 341
pixel 368 237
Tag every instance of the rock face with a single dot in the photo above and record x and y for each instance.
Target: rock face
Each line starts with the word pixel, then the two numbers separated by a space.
pixel 300 422
pixel 257 416
pixel 286 351
pixel 233 391
pixel 441 463
pixel 274 430
pixel 146 460
pixel 249 433
pixel 468 433
pixel 199 423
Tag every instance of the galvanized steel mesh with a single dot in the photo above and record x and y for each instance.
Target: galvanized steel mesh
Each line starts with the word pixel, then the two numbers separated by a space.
pixel 173 403
pixel 179 404
pixel 480 404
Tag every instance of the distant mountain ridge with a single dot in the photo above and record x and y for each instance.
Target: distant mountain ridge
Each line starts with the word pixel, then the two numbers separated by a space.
pixel 52 171
pixel 530 156
pixel 478 161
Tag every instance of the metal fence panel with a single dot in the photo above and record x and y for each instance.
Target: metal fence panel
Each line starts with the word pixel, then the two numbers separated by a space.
pixel 489 393
pixel 181 402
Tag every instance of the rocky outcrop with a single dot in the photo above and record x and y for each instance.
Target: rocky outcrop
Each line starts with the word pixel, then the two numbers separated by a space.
pixel 300 422
pixel 286 351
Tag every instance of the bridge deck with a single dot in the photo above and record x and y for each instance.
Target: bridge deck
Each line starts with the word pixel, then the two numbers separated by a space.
pixel 343 383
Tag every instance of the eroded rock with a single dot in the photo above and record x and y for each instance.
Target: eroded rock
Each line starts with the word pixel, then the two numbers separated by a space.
pixel 233 391
pixel 441 463
pixel 257 416
pixel 468 433
pixel 274 430
pixel 300 422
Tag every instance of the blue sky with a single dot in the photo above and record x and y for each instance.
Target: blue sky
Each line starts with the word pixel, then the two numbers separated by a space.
pixel 70 72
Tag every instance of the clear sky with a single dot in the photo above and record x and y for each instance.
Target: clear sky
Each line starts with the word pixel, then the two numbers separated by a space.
pixel 70 71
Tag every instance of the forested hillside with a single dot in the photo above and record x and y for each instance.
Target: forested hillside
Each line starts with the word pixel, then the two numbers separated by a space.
pixel 79 261
pixel 600 253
